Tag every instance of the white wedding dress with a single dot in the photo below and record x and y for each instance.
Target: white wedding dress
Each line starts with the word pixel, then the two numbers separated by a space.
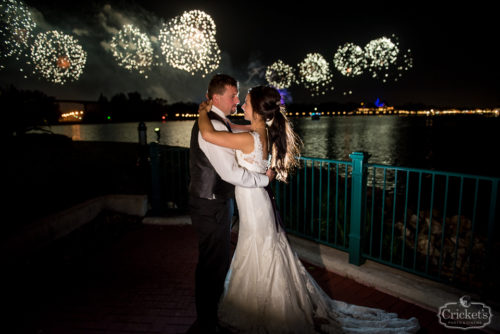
pixel 268 290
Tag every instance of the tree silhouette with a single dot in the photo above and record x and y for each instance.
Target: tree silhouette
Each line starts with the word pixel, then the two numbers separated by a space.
pixel 24 110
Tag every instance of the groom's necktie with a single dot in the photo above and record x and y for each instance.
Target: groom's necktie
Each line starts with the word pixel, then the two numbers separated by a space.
pixel 228 126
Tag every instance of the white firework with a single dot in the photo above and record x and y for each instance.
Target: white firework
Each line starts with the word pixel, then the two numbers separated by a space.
pixel 403 63
pixel 280 75
pixel 350 60
pixel 132 49
pixel 387 60
pixel 58 57
pixel 315 74
pixel 16 28
pixel 380 54
pixel 407 61
pixel 188 43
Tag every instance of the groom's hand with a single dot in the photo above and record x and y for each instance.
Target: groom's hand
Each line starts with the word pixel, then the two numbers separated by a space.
pixel 270 174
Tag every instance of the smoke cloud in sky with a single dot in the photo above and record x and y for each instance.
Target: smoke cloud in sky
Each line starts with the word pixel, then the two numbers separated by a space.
pixel 445 48
pixel 103 75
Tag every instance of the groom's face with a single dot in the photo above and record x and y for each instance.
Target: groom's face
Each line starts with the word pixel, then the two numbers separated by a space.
pixel 227 101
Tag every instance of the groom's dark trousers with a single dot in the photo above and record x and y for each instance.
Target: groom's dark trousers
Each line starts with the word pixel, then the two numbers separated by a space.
pixel 212 221
pixel 211 209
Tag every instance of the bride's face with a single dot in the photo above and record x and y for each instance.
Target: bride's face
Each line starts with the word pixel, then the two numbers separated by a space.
pixel 247 107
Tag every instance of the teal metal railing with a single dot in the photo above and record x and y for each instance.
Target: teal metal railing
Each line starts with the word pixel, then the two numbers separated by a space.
pixel 439 225
pixel 435 224
pixel 170 178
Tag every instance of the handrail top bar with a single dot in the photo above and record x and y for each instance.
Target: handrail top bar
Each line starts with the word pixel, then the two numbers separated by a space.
pixel 429 171
pixel 410 169
pixel 327 160
pixel 399 168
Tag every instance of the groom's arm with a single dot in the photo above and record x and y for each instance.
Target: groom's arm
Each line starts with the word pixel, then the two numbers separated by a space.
pixel 224 162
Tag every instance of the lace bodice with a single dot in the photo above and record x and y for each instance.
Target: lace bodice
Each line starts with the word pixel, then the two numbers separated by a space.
pixel 253 161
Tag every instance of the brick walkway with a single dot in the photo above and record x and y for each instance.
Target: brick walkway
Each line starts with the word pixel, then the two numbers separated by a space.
pixel 143 283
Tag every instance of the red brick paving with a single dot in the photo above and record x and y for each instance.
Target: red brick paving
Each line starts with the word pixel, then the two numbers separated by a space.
pixel 144 283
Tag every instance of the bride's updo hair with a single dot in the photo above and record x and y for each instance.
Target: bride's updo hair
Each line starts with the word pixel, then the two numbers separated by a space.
pixel 283 142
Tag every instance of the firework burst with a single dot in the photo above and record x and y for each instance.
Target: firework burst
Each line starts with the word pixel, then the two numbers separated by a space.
pixel 380 54
pixel 16 32
pixel 58 57
pixel 188 43
pixel 132 49
pixel 350 60
pixel 386 60
pixel 403 63
pixel 16 29
pixel 280 75
pixel 315 74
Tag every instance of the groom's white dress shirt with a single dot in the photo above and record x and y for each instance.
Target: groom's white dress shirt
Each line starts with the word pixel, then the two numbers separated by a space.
pixel 223 160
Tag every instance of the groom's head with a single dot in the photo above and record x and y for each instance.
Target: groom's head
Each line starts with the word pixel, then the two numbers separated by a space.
pixel 223 91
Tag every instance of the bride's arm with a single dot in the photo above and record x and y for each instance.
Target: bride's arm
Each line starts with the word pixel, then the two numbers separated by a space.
pixel 239 127
pixel 241 141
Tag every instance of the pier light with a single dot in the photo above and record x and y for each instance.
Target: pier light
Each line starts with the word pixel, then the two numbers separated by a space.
pixel 158 134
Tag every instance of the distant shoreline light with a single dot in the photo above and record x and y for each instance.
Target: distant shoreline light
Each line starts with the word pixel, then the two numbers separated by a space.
pixel 361 112
pixel 77 113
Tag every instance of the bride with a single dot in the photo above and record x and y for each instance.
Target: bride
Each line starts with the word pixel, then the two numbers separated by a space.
pixel 267 289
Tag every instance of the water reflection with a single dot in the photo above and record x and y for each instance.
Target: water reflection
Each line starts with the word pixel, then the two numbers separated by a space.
pixel 336 138
pixel 176 133
pixel 75 132
pixel 460 144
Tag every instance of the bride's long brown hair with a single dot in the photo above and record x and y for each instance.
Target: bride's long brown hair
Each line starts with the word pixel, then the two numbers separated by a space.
pixel 284 144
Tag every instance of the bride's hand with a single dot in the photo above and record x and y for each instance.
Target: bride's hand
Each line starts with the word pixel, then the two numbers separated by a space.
pixel 270 174
pixel 205 107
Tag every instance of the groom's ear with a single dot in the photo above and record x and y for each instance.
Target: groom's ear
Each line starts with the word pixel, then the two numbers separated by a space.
pixel 215 98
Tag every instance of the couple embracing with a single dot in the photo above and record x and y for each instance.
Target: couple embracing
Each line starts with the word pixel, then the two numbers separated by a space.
pixel 264 288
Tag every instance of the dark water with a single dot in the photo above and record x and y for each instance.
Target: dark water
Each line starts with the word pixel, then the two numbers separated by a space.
pixel 453 143
pixel 467 143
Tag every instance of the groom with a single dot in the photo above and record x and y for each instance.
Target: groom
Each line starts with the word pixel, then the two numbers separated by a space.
pixel 214 172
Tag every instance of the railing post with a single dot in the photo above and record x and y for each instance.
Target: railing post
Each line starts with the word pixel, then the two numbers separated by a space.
pixel 490 256
pixel 358 190
pixel 141 129
pixel 156 202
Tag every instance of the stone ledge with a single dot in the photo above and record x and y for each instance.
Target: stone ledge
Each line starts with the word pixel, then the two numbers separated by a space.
pixel 42 232
pixel 177 220
pixel 417 290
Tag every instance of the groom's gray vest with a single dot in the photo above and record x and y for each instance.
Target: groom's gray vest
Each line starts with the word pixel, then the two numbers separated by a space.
pixel 205 182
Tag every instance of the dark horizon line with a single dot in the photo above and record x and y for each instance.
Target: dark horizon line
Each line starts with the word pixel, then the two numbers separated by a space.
pixel 412 105
pixel 325 104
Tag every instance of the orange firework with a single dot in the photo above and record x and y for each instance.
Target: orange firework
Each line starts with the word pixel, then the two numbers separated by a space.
pixel 63 62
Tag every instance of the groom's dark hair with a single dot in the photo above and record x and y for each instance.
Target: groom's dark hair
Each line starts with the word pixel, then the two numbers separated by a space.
pixel 218 83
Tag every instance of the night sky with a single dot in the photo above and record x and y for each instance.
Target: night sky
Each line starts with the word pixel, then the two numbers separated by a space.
pixel 454 49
